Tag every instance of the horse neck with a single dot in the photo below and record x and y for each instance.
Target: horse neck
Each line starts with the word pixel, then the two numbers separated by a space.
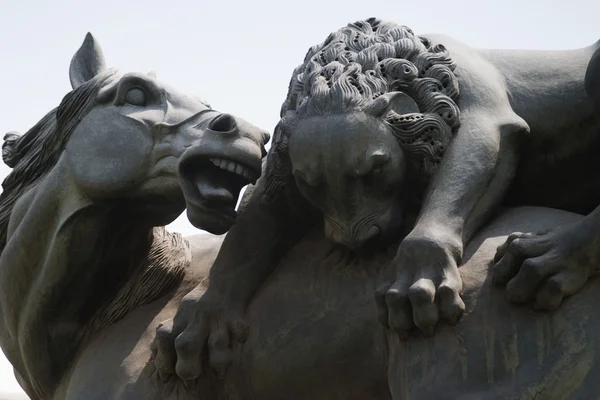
pixel 69 269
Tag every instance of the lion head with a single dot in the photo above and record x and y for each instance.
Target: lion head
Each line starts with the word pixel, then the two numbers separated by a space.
pixel 370 109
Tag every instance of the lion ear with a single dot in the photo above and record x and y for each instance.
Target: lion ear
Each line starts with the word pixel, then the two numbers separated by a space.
pixel 399 102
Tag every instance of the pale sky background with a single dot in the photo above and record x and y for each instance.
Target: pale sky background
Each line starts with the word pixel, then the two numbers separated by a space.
pixel 239 55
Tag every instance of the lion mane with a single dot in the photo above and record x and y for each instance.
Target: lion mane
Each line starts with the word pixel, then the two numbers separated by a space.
pixel 356 65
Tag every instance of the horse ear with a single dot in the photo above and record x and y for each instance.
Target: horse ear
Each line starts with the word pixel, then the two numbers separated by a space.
pixel 87 62
pixel 399 102
pixel 152 74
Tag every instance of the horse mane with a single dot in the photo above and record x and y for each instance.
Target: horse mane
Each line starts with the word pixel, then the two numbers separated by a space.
pixel 162 258
pixel 162 269
pixel 122 265
pixel 35 153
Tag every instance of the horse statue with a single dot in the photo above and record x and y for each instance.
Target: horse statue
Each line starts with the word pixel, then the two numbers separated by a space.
pixel 87 267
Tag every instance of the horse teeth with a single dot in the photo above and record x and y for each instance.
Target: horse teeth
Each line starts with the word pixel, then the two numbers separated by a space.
pixel 234 167
pixel 217 162
pixel 230 166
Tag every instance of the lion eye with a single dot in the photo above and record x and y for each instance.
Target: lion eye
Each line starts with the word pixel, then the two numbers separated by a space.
pixel 136 96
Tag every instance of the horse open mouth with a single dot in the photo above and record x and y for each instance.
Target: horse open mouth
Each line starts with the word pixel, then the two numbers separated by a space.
pixel 211 187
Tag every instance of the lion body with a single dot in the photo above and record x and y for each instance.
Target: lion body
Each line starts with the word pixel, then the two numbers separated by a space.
pixel 546 89
pixel 542 94
pixel 530 105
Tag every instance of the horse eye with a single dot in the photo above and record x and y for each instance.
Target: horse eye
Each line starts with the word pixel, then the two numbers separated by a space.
pixel 136 97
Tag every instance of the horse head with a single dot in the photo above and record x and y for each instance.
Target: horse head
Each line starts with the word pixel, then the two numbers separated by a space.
pixel 92 184
pixel 129 137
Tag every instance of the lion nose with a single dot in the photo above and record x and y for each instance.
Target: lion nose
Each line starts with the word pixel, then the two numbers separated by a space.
pixel 223 123
pixel 346 238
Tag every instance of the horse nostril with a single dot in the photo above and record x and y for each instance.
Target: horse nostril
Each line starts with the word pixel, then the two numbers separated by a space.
pixel 266 138
pixel 222 123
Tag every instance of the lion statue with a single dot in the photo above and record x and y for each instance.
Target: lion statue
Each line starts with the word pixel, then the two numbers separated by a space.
pixel 393 152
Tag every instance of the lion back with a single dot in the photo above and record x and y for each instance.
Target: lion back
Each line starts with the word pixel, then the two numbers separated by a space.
pixel 592 82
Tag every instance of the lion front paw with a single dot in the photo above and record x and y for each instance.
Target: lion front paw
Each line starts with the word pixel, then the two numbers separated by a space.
pixel 427 288
pixel 547 267
pixel 202 328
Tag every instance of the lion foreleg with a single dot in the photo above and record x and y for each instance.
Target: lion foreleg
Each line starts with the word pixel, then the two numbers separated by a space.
pixel 469 183
pixel 208 322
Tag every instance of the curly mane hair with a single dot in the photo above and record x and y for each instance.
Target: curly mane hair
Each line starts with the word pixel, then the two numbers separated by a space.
pixel 356 65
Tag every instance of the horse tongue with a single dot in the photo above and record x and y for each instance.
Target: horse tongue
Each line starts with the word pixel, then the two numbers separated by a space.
pixel 212 188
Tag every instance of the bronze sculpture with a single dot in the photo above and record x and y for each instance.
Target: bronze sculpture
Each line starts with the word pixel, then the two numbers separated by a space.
pixel 375 168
